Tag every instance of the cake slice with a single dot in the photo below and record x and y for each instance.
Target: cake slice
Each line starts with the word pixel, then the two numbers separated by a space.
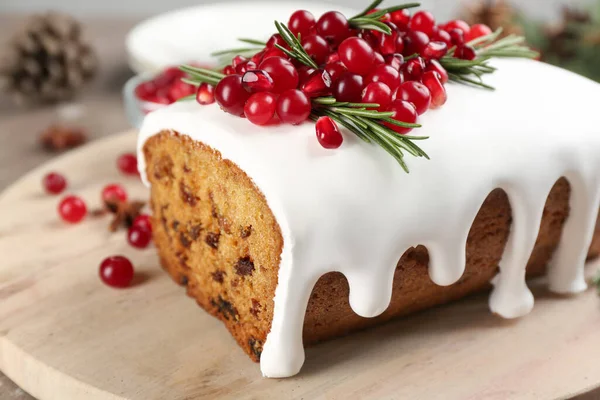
pixel 289 243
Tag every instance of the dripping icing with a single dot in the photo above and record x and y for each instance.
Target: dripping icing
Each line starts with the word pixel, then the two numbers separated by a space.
pixel 520 138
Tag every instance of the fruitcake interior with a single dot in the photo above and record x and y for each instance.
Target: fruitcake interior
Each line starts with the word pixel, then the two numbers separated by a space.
pixel 282 239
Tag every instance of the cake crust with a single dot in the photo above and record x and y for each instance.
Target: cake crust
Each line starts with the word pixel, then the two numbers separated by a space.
pixel 216 235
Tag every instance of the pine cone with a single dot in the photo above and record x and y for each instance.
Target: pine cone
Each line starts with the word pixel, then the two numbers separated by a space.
pixel 495 14
pixel 47 60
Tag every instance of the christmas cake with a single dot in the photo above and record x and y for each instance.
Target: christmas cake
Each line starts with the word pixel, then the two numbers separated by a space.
pixel 291 239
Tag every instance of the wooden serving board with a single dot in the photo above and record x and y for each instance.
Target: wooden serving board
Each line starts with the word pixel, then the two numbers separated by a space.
pixel 64 335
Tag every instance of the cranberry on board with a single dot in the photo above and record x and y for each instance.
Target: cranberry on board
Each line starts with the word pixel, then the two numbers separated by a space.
pixel 260 108
pixel 138 236
pixel 116 271
pixel 377 93
pixel 387 43
pixel 293 107
pixel 72 209
pixel 284 74
pixel 415 42
pixel 333 27
pixel 401 18
pixel 386 74
pixel 144 221
pixel 54 183
pixel 403 112
pixel 349 87
pixel 231 95
pixel 127 164
pixel 301 23
pixel 328 134
pixel 316 47
pixel 415 93
pixel 114 192
pixel 422 21
pixel 356 55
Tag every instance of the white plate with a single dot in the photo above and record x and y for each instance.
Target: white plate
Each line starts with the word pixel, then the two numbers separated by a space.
pixel 191 34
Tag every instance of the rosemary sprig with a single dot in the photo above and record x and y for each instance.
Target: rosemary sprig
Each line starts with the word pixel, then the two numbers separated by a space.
pixel 200 75
pixel 296 51
pixel 372 21
pixel 471 72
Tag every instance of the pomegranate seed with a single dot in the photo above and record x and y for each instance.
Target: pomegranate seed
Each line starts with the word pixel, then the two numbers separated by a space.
pixel 435 66
pixel 387 43
pixel 139 237
pixel 257 81
pixel 72 209
pixel 335 70
pixel 54 183
pixel 316 47
pixel 357 55
pixel 178 90
pixel 386 74
pixel 114 192
pixel 301 23
pixel 431 79
pixel 395 61
pixel 415 42
pixel 400 17
pixel 205 94
pixel 237 60
pixel 318 84
pixel 231 95
pixel 348 87
pixel 260 108
pixel 477 31
pixel 333 27
pixel 440 35
pixel 414 69
pixel 417 94
pixel 144 221
pixel 328 134
pixel 465 53
pixel 422 21
pixel 276 39
pixel 403 112
pixel 283 73
pixel 229 70
pixel 116 271
pixel 293 107
pixel 457 36
pixel 333 57
pixel 377 93
pixel 435 50
pixel 258 57
pixel 127 164
pixel 244 67
pixel 457 24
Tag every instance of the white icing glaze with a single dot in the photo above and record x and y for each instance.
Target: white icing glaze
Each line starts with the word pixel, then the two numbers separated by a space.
pixel 354 210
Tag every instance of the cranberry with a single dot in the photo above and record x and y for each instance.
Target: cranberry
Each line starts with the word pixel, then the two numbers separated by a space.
pixel 477 31
pixel 113 192
pixel 465 53
pixel 318 84
pixel 403 112
pixel 377 93
pixel 316 47
pixel 434 65
pixel 179 89
pixel 231 95
pixel 457 37
pixel 328 134
pixel 357 55
pixel 257 81
pixel 417 94
pixel 349 87
pixel 293 107
pixel 260 108
pixel 139 237
pixel 399 44
pixel 414 69
pixel 205 94
pixel 422 21
pixel 301 23
pixel 440 35
pixel 237 60
pixel 378 59
pixel 72 209
pixel 304 72
pixel 229 70
pixel 54 183
pixel 387 43
pixel 276 39
pixel 333 57
pixel 274 52
pixel 335 70
pixel 284 75
pixel 386 74
pixel 457 24
pixel 395 61
pixel 258 57
pixel 415 42
pixel 400 17
pixel 431 79
pixel 116 271
pixel 127 164
pixel 435 50
pixel 145 90
pixel 144 221
pixel 334 27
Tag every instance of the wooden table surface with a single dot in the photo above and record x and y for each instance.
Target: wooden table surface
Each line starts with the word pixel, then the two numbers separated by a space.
pixel 103 115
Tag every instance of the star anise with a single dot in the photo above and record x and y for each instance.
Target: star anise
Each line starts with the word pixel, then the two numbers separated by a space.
pixel 124 213
pixel 59 137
